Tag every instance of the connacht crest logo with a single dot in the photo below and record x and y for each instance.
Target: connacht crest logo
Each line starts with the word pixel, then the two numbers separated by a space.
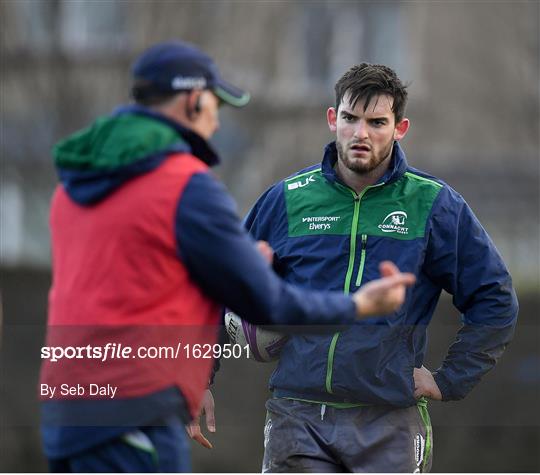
pixel 395 222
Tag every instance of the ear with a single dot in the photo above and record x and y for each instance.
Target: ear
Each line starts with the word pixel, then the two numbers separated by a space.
pixel 331 118
pixel 401 129
pixel 194 103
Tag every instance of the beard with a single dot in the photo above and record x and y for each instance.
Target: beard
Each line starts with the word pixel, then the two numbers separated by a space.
pixel 363 166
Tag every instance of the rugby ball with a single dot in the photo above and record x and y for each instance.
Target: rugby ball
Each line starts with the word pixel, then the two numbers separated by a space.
pixel 264 345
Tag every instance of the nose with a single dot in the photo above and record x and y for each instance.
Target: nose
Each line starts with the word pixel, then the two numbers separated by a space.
pixel 361 131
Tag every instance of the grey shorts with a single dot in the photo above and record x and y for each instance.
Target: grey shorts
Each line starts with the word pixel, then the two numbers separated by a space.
pixel 309 437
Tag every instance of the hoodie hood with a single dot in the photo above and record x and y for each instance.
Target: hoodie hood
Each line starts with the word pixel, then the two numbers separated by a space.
pixel 97 160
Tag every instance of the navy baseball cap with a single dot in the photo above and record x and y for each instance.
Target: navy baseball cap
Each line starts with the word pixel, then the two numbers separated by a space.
pixel 178 66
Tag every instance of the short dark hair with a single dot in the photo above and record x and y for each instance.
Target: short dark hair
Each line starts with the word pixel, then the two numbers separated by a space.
pixel 364 81
pixel 148 95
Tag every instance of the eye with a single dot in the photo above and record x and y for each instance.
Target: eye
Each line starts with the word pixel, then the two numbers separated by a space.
pixel 378 122
pixel 348 117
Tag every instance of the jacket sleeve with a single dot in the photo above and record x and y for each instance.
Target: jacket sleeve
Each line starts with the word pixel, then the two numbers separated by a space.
pixel 267 220
pixel 223 260
pixel 462 259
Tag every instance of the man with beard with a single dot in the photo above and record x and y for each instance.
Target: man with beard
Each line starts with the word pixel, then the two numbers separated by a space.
pixel 356 400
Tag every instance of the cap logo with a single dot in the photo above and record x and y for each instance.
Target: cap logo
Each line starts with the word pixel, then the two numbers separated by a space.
pixel 182 82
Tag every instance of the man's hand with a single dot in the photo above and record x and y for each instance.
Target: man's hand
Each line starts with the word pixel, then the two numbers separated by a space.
pixel 384 295
pixel 194 428
pixel 425 385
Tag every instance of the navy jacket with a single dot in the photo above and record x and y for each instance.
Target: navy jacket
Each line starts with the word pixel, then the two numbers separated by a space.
pixel 326 236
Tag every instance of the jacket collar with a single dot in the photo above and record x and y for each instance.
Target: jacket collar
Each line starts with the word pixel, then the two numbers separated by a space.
pixel 199 146
pixel 398 164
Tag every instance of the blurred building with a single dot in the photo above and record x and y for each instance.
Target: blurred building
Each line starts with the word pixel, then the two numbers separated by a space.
pixel 472 67
pixel 474 75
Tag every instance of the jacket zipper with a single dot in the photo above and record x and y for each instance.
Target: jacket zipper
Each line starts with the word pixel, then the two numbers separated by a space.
pixel 346 289
pixel 362 261
pixel 352 252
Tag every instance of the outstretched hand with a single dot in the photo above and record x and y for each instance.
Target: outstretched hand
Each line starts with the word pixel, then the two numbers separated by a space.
pixel 384 295
pixel 194 428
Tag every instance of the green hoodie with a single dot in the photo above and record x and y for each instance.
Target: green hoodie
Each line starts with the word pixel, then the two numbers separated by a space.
pixel 113 142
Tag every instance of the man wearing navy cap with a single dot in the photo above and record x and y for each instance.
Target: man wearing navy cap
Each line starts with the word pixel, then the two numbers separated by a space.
pixel 146 246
